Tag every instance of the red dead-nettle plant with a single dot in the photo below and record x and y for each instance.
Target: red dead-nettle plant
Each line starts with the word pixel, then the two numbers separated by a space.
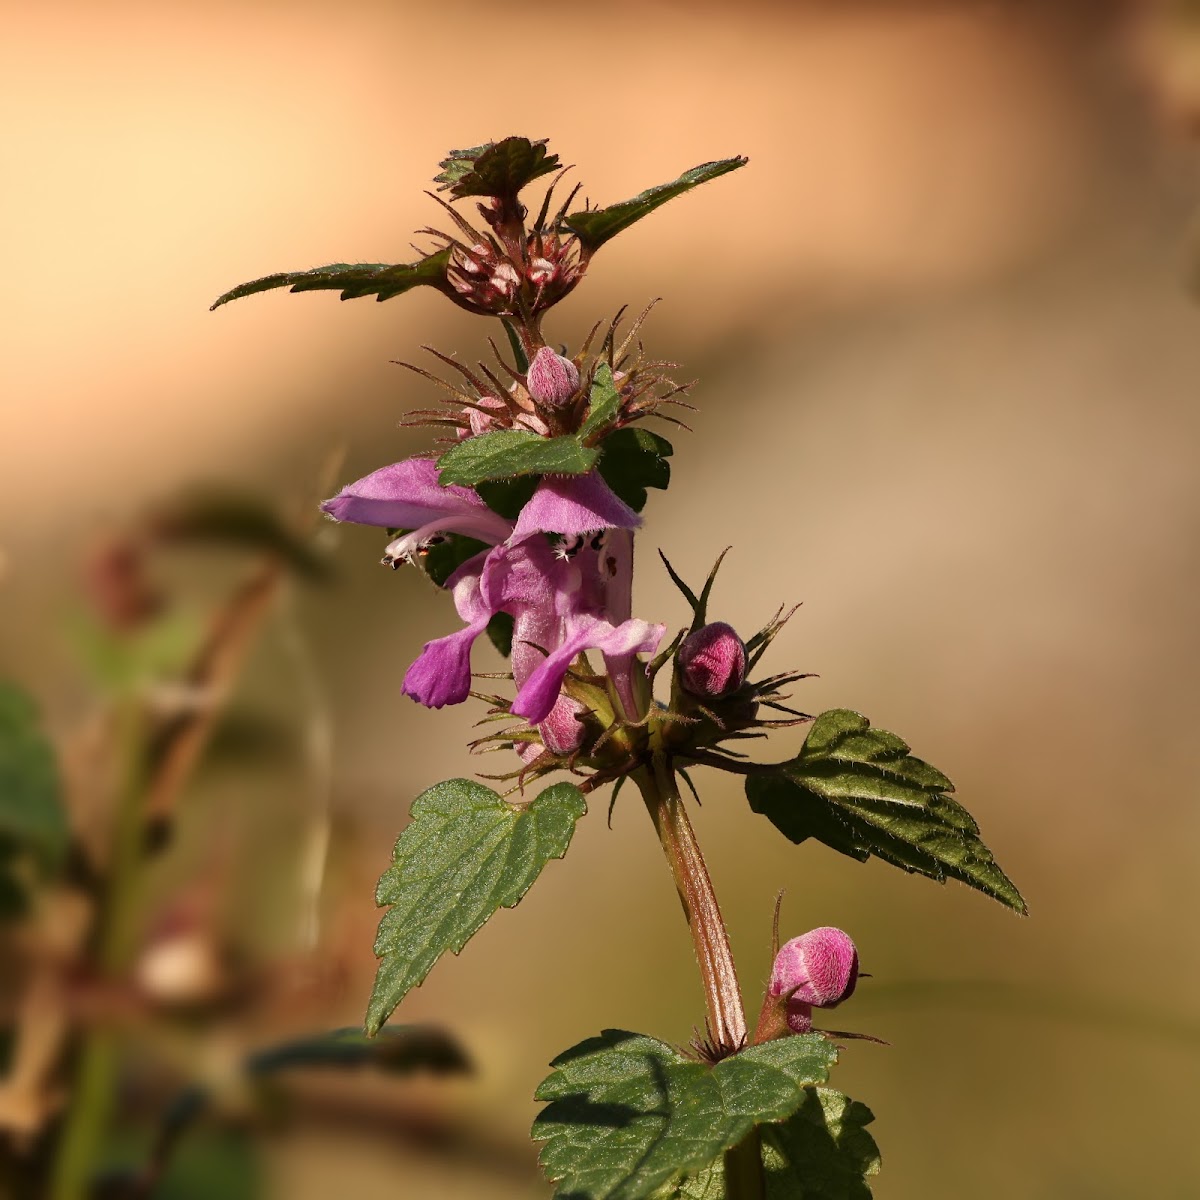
pixel 527 515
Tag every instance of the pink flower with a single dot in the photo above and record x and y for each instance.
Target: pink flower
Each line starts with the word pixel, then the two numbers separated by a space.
pixel 712 661
pixel 552 380
pixel 819 969
pixel 562 597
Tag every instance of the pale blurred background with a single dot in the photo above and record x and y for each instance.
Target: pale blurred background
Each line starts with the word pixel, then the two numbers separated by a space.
pixel 948 372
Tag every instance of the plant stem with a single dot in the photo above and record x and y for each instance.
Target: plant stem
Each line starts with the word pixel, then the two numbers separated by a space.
pixel 722 996
pixel 744 1179
pixel 87 1121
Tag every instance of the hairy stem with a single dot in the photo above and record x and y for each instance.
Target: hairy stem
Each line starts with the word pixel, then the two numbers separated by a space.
pixel 722 996
pixel 86 1126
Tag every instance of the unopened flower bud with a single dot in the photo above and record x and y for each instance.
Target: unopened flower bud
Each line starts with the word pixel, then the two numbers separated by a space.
pixel 712 661
pixel 552 379
pixel 819 969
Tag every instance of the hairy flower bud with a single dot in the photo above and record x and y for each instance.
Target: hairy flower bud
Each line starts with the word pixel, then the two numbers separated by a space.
pixel 552 379
pixel 819 969
pixel 712 661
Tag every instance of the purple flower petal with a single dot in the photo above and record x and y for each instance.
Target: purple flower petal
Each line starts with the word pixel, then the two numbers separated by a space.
pixel 573 505
pixel 407 495
pixel 535 700
pixel 441 673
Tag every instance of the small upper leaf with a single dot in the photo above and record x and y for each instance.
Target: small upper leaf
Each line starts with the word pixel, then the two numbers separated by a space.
pixel 633 460
pixel 859 791
pixel 382 280
pixel 32 817
pixel 596 226
pixel 821 1152
pixel 504 453
pixel 465 854
pixel 604 402
pixel 629 1115
pixel 496 168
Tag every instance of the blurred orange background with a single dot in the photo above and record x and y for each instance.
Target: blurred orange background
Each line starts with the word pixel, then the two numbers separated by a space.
pixel 948 371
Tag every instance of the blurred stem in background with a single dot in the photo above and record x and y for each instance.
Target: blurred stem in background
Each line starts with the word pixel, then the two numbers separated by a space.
pixel 95 1087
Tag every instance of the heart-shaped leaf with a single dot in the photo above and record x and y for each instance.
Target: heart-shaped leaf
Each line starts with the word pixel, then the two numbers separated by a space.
pixel 629 1115
pixel 465 854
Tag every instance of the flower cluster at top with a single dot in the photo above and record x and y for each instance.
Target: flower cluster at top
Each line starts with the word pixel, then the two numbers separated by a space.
pixel 526 515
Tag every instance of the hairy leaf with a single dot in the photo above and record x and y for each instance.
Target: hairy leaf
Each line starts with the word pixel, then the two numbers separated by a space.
pixel 604 402
pixel 496 168
pixel 629 1115
pixel 241 521
pixel 505 453
pixel 633 460
pixel 465 854
pixel 32 817
pixel 821 1152
pixel 859 791
pixel 382 280
pixel 597 226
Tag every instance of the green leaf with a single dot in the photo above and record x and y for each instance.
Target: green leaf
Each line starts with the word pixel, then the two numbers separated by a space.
pixel 629 1115
pixel 597 226
pixel 401 1050
pixel 496 168
pixel 500 633
pixel 121 662
pixel 508 452
pixel 507 497
pixel 604 402
pixel 633 460
pixel 465 854
pixel 859 791
pixel 240 521
pixel 821 1152
pixel 382 280
pixel 444 557
pixel 32 816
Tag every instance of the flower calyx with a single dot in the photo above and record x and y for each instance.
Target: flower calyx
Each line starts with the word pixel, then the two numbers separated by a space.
pixel 713 701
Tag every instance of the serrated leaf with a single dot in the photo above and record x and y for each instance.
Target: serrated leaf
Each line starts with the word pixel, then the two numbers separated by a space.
pixel 32 817
pixel 400 1050
pixel 241 521
pixel 596 226
pixel 629 1115
pixel 382 280
pixel 821 1152
pixel 633 460
pixel 465 854
pixel 604 402
pixel 858 790
pixel 505 453
pixel 496 168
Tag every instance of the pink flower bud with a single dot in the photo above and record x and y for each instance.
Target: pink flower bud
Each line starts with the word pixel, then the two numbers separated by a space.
pixel 712 661
pixel 819 969
pixel 552 379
